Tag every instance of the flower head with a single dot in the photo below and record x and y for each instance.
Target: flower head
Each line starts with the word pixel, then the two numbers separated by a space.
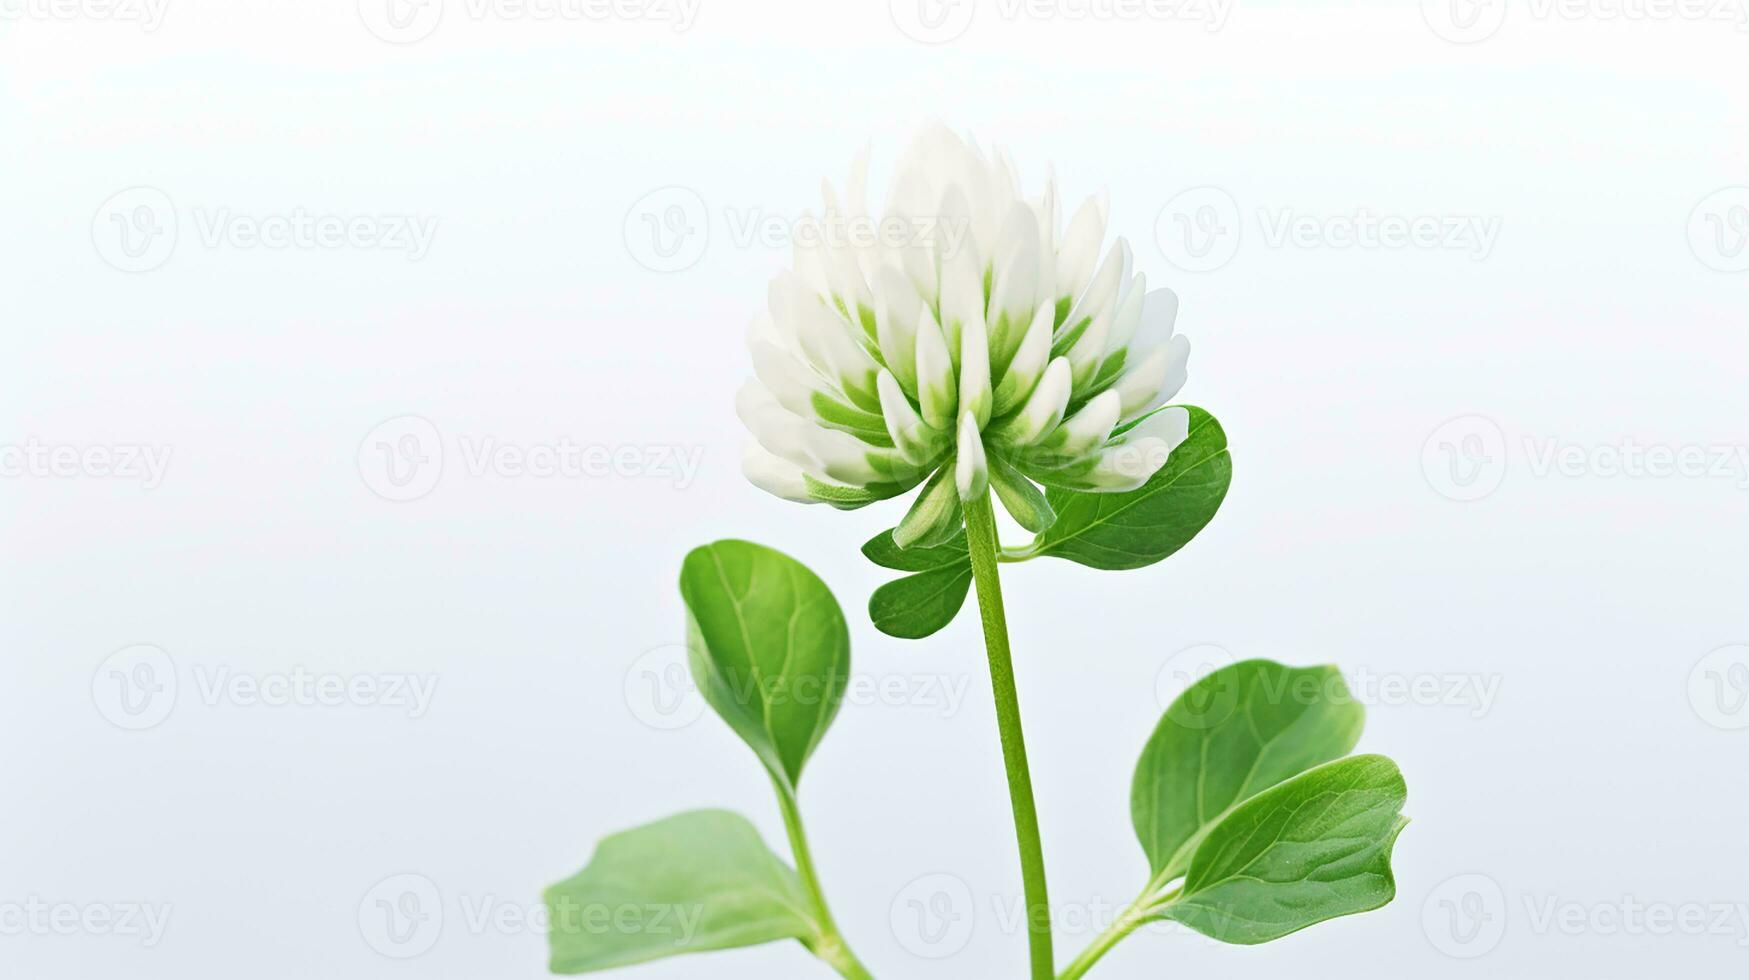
pixel 964 340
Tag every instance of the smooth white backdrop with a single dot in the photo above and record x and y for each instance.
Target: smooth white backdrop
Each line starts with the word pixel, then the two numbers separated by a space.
pixel 1502 482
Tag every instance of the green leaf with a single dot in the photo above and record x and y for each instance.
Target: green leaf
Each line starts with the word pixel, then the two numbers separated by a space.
pixel 770 650
pixel 1132 530
pixel 883 551
pixel 1229 736
pixel 689 884
pixel 1313 848
pixel 921 605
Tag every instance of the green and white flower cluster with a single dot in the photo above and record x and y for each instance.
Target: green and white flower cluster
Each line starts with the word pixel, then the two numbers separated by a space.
pixel 986 346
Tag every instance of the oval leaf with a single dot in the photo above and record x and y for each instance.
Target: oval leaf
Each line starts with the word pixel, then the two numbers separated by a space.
pixel 1119 531
pixel 692 883
pixel 885 552
pixel 920 605
pixel 1313 848
pixel 770 650
pixel 1229 736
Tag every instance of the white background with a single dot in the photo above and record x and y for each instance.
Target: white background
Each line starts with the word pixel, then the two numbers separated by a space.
pixel 1607 770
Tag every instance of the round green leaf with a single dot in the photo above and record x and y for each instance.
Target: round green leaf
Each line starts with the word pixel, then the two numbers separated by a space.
pixel 770 650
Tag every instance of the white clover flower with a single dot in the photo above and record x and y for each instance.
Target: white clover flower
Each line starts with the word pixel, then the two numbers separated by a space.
pixel 964 341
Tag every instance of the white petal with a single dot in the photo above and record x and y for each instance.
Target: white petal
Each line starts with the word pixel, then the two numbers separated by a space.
pixel 1088 350
pixel 835 455
pixel 825 340
pixel 776 476
pixel 962 288
pixel 1029 362
pixel 1080 248
pixel 1101 295
pixel 1129 313
pixel 1169 425
pixel 781 432
pixel 914 438
pixel 975 395
pixel 1159 318
pixel 793 383
pixel 934 515
pixel 1152 383
pixel 1139 384
pixel 1090 427
pixel 1014 288
pixel 972 469
pixel 1043 410
pixel 856 191
pixel 935 380
pixel 896 325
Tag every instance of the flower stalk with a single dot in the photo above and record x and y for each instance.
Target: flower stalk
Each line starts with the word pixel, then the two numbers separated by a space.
pixel 829 945
pixel 980 518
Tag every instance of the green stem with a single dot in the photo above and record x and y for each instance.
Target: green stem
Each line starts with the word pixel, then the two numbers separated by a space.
pixel 981 539
pixel 829 945
pixel 1132 919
